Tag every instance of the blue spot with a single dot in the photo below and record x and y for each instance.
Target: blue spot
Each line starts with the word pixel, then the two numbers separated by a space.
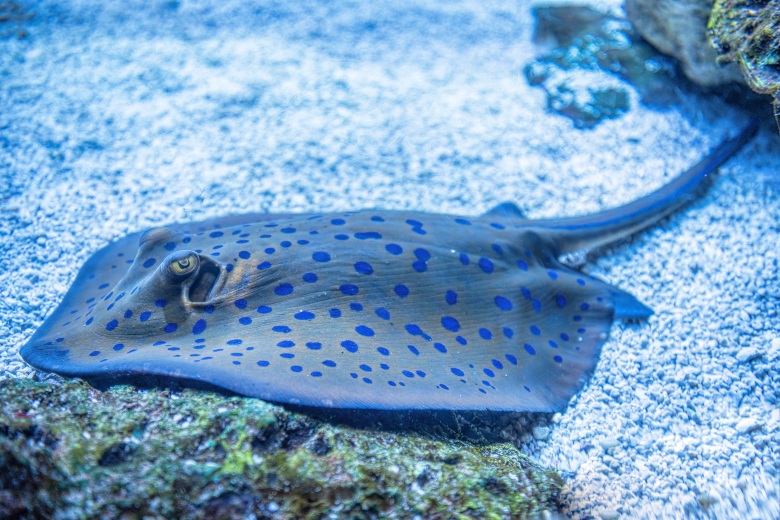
pixel 451 297
pixel 111 325
pixel 486 265
pixel 584 306
pixel 413 350
pixel 536 304
pixel 338 221
pixel 304 316
pixel 422 254
pixel 263 266
pixel 461 340
pixel 170 327
pixel 365 368
pixel 391 383
pixel 187 240
pixel 530 349
pixel 288 230
pixel 383 351
pixel 508 332
pixel 535 330
pixel 309 277
pixel 407 373
pixel 160 303
pixel 503 303
pixel 383 313
pixel 158 343
pixel 489 372
pixel 303 242
pixel 464 259
pixel 244 254
pixel 497 225
pixel 355 306
pixel 329 363
pixel 234 341
pixel 401 290
pixel 335 313
pixel 564 336
pixel 367 380
pixel 144 316
pixel 485 333
pixel 415 330
pixel 458 372
pixel 368 235
pixel 118 347
pixel 511 358
pixel 245 320
pixel 128 314
pixel 580 281
pixel 377 219
pixel 463 221
pixel 229 267
pixel 497 364
pixel 216 234
pixel 170 246
pixel 558 359
pixel 364 331
pixel 526 292
pixel 384 366
pixel 440 347
pixel 552 343
pixel 285 243
pixel 577 317
pixel 581 331
pixel 444 387
pixel 450 323
pixel 363 268
pixel 284 329
pixel 314 345
pixel 90 320
pixel 394 249
pixel 199 327
pixel 102 286
pixel 498 249
pixel 419 266
pixel 349 346
pixel 414 223
pixel 241 304
pixel 286 344
pixel 94 353
pixel 316 373
pixel 341 237
pixel 235 354
pixel 149 263
pixel 321 256
pixel 287 355
pixel 264 309
pixel 552 274
pixel 270 250
pixel 349 289
pixel 283 289
pixel 522 265
pixel 296 368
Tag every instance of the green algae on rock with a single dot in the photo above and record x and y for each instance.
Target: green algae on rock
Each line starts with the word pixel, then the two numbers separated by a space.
pixel 603 49
pixel 71 451
pixel 747 32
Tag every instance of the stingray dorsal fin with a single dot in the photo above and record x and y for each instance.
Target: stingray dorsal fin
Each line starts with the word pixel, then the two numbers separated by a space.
pixel 505 209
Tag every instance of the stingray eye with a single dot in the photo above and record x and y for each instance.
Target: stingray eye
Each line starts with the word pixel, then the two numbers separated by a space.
pixel 182 264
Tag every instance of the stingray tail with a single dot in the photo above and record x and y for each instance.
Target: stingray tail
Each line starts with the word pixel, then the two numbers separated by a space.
pixel 591 231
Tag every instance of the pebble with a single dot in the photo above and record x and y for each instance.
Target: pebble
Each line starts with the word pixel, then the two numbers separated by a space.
pixel 748 424
pixel 747 354
pixel 541 433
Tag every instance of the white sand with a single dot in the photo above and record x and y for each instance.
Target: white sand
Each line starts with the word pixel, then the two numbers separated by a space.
pixel 117 119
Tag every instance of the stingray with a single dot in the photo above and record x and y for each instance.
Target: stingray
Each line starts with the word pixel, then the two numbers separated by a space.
pixel 368 309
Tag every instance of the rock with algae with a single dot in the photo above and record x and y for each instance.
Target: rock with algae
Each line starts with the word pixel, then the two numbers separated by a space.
pixel 747 32
pixel 591 55
pixel 70 451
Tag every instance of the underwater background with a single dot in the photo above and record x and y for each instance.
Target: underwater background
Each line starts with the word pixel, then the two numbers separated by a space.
pixel 117 118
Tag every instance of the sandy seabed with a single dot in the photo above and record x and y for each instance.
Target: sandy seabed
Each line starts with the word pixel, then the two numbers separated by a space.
pixel 116 119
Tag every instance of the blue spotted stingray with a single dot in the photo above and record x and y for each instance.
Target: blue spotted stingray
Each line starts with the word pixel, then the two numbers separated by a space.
pixel 367 309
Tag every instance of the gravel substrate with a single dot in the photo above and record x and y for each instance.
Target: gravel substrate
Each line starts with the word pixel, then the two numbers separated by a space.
pixel 118 118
